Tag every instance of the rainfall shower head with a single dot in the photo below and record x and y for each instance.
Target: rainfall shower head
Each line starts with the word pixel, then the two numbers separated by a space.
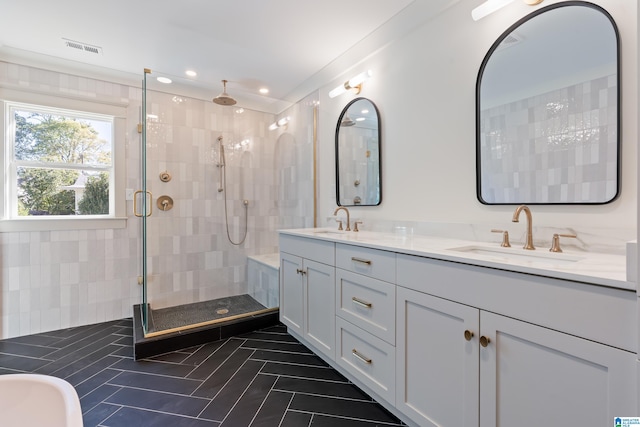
pixel 224 98
pixel 347 121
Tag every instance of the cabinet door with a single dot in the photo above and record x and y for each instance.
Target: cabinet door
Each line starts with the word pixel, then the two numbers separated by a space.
pixel 320 313
pixel 291 292
pixel 533 376
pixel 437 369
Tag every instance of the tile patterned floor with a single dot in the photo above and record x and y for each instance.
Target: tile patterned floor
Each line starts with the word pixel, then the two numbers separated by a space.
pixel 262 379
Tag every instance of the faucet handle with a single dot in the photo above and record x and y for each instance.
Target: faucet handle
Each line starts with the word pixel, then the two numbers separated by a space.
pixel 555 242
pixel 355 226
pixel 505 237
pixel 339 221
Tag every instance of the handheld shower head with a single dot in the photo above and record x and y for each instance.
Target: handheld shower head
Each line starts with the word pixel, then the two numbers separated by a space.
pixel 224 98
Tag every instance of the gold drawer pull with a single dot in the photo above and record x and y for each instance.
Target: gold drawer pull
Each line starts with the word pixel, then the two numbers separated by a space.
pixel 361 357
pixel 362 303
pixel 360 260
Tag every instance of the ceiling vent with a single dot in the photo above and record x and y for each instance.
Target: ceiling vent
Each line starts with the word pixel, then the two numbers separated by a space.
pixel 83 47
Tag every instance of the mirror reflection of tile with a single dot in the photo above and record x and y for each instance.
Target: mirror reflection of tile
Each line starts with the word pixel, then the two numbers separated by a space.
pixel 566 148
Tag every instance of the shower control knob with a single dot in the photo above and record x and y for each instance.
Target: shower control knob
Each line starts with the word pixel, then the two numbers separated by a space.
pixel 164 203
pixel 165 176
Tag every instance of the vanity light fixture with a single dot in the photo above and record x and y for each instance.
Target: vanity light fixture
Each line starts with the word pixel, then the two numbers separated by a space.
pixel 280 123
pixel 354 83
pixel 490 6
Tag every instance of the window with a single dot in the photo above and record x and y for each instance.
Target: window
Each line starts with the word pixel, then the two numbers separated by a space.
pixel 60 162
pixel 63 163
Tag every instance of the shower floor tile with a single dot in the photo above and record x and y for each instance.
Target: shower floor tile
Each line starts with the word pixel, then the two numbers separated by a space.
pixel 202 312
pixel 260 379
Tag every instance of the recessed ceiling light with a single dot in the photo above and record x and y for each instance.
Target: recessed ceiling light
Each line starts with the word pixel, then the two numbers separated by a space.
pixel 264 90
pixel 191 73
pixel 165 80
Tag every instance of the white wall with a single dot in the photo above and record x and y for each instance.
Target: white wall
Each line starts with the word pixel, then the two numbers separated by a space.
pixel 424 86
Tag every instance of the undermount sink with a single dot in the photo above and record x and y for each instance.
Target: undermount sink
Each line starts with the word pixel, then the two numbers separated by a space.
pixel 519 255
pixel 348 235
pixel 330 232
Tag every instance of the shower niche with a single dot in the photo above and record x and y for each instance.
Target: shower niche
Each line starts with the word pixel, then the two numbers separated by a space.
pixel 193 257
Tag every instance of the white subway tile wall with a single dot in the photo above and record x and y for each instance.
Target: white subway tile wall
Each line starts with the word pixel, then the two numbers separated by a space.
pixel 57 279
pixel 566 150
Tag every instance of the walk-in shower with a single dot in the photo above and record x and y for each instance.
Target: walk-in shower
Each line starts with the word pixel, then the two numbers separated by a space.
pixel 194 256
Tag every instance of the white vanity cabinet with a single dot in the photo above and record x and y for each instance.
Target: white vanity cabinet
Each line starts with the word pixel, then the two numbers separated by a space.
pixel 366 317
pixel 525 374
pixel 307 291
pixel 445 343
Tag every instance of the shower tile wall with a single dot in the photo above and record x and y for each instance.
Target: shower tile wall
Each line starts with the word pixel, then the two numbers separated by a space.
pixel 560 154
pixel 57 279
pixel 358 165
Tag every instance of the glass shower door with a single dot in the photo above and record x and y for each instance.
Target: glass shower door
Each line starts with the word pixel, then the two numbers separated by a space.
pixel 141 197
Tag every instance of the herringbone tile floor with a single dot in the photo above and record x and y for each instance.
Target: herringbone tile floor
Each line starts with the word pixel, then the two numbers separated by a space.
pixel 265 378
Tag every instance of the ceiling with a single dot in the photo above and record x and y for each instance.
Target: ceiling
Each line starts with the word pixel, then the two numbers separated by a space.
pixel 290 47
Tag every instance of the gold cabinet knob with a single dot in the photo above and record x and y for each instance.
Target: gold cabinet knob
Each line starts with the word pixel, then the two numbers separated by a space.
pixel 484 341
pixel 468 335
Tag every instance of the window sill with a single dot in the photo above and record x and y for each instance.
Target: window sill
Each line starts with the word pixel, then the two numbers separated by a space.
pixel 61 224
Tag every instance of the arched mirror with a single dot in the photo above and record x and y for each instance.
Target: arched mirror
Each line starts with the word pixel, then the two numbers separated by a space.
pixel 547 114
pixel 358 155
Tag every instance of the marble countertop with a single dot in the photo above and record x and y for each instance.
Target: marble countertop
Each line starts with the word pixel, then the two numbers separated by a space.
pixel 587 267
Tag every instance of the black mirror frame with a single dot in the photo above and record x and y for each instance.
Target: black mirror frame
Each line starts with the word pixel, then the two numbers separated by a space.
pixel 337 152
pixel 493 48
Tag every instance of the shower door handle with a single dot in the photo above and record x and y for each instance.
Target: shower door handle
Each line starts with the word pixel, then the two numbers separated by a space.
pixel 135 203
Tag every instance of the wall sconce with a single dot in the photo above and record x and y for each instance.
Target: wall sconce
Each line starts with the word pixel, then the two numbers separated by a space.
pixel 490 6
pixel 354 83
pixel 280 123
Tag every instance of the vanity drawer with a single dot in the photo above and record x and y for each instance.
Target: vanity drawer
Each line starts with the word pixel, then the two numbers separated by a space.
pixel 370 262
pixel 367 303
pixel 314 249
pixel 369 359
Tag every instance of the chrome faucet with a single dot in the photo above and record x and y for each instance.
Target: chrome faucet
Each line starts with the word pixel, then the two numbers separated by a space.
pixel 516 215
pixel 347 211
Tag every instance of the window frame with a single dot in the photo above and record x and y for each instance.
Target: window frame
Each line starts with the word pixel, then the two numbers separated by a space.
pixel 9 99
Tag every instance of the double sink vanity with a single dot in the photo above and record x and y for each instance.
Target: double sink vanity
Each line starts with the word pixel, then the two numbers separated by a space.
pixel 446 332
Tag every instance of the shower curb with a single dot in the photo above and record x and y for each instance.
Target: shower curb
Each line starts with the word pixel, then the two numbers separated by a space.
pixel 154 346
